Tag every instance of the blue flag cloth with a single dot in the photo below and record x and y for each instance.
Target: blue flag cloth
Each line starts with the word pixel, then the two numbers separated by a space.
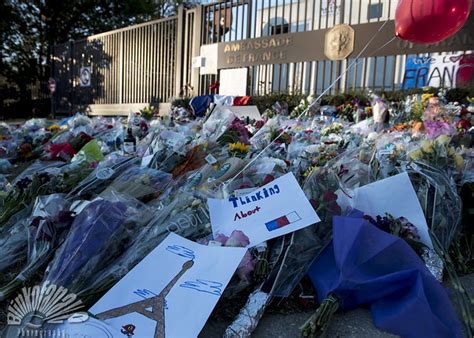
pixel 199 104
pixel 364 265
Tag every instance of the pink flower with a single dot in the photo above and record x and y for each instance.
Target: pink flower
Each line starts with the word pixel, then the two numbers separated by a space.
pixel 246 267
pixel 221 238
pixel 237 239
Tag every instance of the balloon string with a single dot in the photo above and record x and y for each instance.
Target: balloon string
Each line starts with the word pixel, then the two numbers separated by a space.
pixel 356 60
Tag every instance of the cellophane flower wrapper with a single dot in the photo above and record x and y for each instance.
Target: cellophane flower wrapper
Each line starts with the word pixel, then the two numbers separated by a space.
pixel 38 167
pixel 14 244
pixel 87 284
pixel 140 182
pixel 91 229
pixel 47 226
pixel 80 123
pixel 438 196
pixel 263 136
pixel 352 168
pixel 109 137
pixel 217 123
pixel 262 171
pixel 186 215
pixel 100 178
pixel 27 189
pixel 305 244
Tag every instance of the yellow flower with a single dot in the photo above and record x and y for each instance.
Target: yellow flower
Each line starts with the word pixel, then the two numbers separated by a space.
pixel 427 146
pixel 459 161
pixel 425 97
pixel 54 127
pixel 416 154
pixel 443 140
pixel 239 147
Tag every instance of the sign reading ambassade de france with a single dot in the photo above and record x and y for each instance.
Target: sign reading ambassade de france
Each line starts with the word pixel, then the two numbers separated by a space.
pixel 339 42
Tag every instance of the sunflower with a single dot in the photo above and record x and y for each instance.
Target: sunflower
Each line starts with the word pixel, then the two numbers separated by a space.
pixel 238 149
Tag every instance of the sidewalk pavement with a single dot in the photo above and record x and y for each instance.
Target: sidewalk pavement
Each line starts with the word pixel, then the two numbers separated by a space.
pixel 351 324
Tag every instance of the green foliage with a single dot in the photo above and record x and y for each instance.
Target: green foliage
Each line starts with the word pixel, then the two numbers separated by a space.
pixel 459 94
pixel 29 28
pixel 265 102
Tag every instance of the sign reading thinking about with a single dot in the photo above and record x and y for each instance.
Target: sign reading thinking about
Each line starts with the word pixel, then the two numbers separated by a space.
pixel 276 209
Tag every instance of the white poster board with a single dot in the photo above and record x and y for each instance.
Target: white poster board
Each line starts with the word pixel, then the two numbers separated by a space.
pixel 233 82
pixel 276 209
pixel 209 55
pixel 172 291
pixel 394 195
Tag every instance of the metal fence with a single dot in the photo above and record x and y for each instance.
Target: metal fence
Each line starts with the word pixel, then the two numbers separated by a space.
pixel 247 19
pixel 152 62
pixel 132 65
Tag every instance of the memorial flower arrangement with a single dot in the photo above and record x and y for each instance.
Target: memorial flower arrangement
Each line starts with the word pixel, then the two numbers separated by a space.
pixel 117 207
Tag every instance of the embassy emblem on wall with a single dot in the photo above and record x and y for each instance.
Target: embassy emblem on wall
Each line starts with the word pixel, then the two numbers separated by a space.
pixel 339 42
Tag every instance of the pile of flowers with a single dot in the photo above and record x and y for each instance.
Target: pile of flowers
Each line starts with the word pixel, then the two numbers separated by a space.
pixel 116 206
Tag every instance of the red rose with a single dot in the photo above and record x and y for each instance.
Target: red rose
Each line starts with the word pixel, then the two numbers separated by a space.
pixel 463 124
pixel 268 179
pixel 329 196
pixel 314 203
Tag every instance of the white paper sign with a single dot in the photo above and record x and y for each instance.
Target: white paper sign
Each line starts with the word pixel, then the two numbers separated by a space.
pixel 276 209
pixel 394 195
pixel 233 82
pixel 172 291
pixel 209 53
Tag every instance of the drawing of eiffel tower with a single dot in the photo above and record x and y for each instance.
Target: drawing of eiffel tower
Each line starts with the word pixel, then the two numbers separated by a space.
pixel 157 304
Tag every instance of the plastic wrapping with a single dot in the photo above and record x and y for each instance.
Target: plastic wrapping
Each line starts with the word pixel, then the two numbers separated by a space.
pixel 187 215
pixel 91 230
pixel 217 124
pixel 305 244
pixel 135 217
pixel 49 222
pixel 439 199
pixel 140 183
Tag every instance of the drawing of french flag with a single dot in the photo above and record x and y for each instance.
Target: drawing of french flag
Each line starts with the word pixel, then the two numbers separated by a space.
pixel 282 221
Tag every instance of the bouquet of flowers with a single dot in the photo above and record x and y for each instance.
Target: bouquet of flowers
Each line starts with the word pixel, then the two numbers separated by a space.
pixel 141 183
pixel 48 224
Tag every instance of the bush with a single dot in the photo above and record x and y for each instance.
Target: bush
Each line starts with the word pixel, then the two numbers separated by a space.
pixel 265 102
pixel 459 94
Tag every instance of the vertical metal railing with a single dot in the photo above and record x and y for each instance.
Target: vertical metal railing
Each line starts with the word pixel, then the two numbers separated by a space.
pixel 266 17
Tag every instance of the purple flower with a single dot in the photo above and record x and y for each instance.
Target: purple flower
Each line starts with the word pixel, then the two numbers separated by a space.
pixel 437 128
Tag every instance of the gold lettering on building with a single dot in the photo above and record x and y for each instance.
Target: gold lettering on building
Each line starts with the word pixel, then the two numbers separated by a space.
pixel 261 50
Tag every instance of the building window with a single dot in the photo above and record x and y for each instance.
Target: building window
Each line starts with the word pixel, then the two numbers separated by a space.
pixel 280 29
pixel 374 11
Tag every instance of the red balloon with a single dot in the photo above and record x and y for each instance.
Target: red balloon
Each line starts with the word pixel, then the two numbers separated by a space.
pixel 430 21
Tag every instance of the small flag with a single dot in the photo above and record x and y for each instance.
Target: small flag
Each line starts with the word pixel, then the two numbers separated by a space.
pixel 282 221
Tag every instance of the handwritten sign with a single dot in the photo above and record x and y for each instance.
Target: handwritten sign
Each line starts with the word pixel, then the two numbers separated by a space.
pixel 439 71
pixel 172 291
pixel 276 209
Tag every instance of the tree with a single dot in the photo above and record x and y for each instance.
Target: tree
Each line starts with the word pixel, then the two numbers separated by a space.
pixel 30 27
